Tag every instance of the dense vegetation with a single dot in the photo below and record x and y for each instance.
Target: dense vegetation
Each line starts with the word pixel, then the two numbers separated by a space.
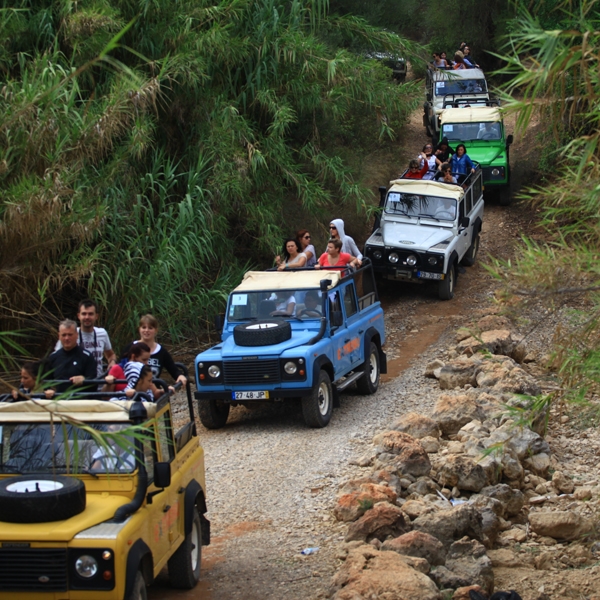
pixel 151 149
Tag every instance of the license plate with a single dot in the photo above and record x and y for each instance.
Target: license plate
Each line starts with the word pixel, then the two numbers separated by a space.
pixel 425 275
pixel 250 395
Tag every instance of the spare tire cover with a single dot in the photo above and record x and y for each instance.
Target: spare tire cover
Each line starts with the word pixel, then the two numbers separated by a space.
pixel 262 333
pixel 40 498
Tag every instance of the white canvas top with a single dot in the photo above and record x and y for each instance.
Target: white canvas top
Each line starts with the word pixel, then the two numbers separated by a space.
pixel 443 74
pixel 472 114
pixel 287 280
pixel 43 411
pixel 424 187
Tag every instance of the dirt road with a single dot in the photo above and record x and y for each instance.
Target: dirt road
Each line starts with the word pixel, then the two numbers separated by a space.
pixel 271 481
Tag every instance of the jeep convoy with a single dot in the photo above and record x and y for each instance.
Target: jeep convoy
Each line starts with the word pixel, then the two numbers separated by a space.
pixel 333 338
pixel 426 229
pixel 97 496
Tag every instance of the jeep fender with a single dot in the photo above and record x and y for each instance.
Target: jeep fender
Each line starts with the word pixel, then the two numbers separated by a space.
pixel 477 226
pixel 194 497
pixel 323 363
pixel 372 335
pixel 452 260
pixel 138 559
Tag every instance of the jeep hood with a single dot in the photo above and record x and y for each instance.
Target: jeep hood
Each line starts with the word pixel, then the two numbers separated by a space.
pixel 99 508
pixel 485 155
pixel 413 236
pixel 299 338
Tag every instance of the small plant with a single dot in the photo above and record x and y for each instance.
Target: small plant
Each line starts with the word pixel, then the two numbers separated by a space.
pixel 365 504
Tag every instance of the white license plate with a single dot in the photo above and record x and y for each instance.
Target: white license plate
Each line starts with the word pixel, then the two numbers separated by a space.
pixel 250 395
pixel 425 275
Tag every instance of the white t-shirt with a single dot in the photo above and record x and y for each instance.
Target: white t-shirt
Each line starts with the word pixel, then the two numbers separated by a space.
pixel 95 342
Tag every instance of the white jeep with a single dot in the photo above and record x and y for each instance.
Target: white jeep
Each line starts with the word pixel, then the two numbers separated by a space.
pixel 426 229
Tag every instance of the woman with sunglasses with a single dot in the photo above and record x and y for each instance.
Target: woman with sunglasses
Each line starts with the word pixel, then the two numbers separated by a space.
pixel 431 160
pixel 336 230
pixel 303 238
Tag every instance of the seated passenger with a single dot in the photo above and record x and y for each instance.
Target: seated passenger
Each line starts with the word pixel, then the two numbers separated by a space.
pixel 427 157
pixel 447 176
pixel 490 131
pixel 461 163
pixel 415 170
pixel 446 209
pixel 30 383
pixel 114 456
pixel 294 258
pixel 311 305
pixel 334 257
pixel 443 151
pixel 139 352
pixel 285 303
pixel 139 379
pixel 446 60
pixel 438 61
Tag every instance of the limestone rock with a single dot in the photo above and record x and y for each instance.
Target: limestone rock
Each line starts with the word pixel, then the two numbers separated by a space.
pixel 432 367
pixel 379 522
pixel 562 483
pixel 408 457
pixel 504 557
pixel 414 508
pixel 491 322
pixel 511 500
pixel 430 445
pixel 464 593
pixel 521 440
pixel 463 472
pixel 451 524
pixel 538 464
pixel 423 486
pixel 466 564
pixel 458 373
pixel 419 544
pixel 452 412
pixel 416 425
pixel 513 536
pixel 560 525
pixel 369 573
pixel 350 507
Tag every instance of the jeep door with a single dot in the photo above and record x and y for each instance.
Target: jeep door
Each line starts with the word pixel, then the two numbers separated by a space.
pixel 341 359
pixel 352 342
pixel 464 233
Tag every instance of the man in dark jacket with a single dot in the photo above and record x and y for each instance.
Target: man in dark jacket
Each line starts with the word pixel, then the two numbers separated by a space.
pixel 71 362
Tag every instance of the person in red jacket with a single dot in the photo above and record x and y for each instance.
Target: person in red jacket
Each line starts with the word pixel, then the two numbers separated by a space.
pixel 415 171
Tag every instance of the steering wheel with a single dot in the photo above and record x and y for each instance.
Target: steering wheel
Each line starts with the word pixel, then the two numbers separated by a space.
pixel 444 215
pixel 310 312
pixel 489 136
pixel 279 313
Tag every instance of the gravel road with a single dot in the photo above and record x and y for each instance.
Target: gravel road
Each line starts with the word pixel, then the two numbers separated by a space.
pixel 271 481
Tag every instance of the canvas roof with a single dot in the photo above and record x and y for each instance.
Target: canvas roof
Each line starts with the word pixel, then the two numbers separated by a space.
pixel 287 280
pixel 443 75
pixel 472 114
pixel 423 187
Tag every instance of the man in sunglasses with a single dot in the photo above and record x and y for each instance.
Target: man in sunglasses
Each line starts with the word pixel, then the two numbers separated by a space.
pixel 336 230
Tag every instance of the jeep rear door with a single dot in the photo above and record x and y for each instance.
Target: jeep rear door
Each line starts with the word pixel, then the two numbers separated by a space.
pixel 339 334
pixel 355 327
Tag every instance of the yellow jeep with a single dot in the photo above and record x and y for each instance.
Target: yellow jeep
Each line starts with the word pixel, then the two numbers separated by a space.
pixel 96 497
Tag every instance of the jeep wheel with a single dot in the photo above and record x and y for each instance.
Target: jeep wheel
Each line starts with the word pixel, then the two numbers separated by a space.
pixel 369 382
pixel 213 413
pixel 317 408
pixel 139 588
pixel 471 254
pixel 504 197
pixel 41 498
pixel 184 565
pixel 262 333
pixel 446 286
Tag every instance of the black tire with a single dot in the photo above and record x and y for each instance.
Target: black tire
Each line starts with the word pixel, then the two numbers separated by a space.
pixel 505 197
pixel 46 504
pixel 139 591
pixel 184 565
pixel 369 382
pixel 471 255
pixel 317 408
pixel 262 333
pixel 446 286
pixel 213 413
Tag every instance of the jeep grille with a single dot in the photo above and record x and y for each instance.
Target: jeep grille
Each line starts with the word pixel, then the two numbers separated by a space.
pixel 242 372
pixel 33 569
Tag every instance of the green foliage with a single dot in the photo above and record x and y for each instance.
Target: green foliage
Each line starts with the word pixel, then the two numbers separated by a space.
pixel 150 151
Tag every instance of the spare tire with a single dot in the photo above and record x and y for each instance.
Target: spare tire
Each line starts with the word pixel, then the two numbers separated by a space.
pixel 262 333
pixel 40 498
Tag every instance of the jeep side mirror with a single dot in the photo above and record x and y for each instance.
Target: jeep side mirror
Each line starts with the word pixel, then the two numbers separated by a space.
pixel 324 284
pixel 509 139
pixel 382 191
pixel 219 321
pixel 337 318
pixel 428 97
pixel 465 222
pixel 162 474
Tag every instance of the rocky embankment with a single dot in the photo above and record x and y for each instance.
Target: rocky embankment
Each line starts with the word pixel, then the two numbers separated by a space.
pixel 450 499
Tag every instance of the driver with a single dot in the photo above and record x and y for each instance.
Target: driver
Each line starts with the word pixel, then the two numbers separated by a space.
pixel 114 457
pixel 311 305
pixel 491 131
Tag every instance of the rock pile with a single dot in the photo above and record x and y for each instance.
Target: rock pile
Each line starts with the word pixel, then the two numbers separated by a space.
pixel 444 491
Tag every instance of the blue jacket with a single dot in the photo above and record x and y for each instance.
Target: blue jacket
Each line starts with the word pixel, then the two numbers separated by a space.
pixel 461 164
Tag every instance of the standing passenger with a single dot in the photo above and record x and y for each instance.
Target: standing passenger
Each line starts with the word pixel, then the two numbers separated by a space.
pixel 336 228
pixel 304 239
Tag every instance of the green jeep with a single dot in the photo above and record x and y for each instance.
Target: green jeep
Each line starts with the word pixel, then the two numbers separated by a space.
pixel 481 130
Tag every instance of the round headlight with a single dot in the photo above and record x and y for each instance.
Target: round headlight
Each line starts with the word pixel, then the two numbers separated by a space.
pixel 411 261
pixel 86 566
pixel 495 172
pixel 393 258
pixel 214 371
pixel 377 255
pixel 432 260
pixel 290 368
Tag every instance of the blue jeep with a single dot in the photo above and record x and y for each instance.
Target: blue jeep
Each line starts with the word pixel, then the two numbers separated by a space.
pixel 301 333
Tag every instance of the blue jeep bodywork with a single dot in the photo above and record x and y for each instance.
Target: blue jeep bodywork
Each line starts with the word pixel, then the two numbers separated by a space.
pixel 311 354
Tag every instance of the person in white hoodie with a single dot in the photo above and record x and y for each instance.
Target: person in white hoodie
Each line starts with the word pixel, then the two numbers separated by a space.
pixel 336 229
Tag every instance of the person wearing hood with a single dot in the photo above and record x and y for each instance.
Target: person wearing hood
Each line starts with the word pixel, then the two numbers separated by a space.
pixel 443 151
pixel 336 229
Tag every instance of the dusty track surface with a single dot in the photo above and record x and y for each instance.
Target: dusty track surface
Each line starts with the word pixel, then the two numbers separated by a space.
pixel 271 481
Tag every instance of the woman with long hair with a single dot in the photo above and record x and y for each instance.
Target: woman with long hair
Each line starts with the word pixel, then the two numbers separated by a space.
pixel 293 257
pixel 304 239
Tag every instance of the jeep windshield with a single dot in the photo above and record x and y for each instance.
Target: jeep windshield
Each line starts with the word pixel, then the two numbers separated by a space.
pixel 56 448
pixel 468 132
pixel 413 205
pixel 300 304
pixel 460 86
